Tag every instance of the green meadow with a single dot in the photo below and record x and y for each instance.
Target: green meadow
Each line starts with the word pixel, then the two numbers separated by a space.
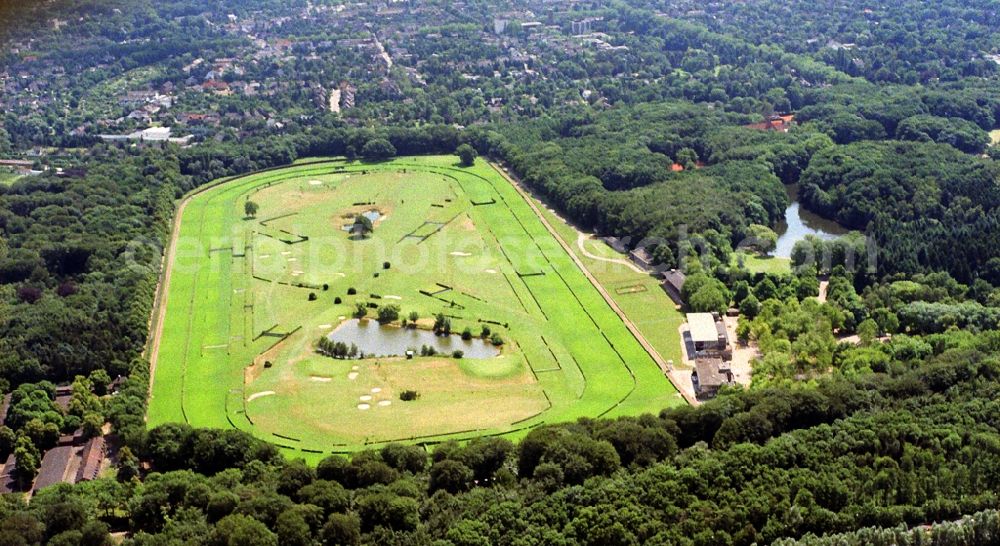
pixel 249 298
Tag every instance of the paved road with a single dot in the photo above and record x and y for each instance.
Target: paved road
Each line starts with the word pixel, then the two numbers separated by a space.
pixel 670 374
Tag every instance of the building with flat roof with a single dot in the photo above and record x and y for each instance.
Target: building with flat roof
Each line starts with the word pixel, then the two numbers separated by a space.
pixel 709 375
pixel 704 332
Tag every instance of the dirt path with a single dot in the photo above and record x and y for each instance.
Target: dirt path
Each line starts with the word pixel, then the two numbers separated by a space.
pixel 822 291
pixel 582 238
pixel 335 100
pixel 670 374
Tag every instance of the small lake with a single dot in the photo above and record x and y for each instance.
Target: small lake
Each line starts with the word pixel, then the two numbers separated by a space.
pixel 800 222
pixel 376 339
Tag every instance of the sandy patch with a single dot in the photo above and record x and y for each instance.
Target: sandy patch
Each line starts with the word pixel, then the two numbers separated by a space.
pixel 320 379
pixel 385 403
pixel 325 326
pixel 490 271
pixel 352 376
pixel 392 297
pixel 260 394
pixel 365 398
pixel 355 368
pixel 262 256
pixel 364 406
pixel 467 224
pixel 376 390
pixel 341 274
pixel 341 317
pixel 293 259
pixel 315 182
pixel 286 253
pixel 462 254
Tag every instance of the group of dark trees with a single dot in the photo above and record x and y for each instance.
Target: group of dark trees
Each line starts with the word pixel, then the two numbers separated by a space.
pixel 901 447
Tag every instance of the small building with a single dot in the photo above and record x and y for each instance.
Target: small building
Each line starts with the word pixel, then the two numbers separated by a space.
pixel 673 283
pixel 705 334
pixel 91 459
pixel 617 243
pixel 709 375
pixel 779 123
pixel 8 476
pixel 643 258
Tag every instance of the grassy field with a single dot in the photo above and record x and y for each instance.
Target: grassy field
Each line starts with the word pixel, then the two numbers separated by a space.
pixel 8 177
pixel 764 264
pixel 639 295
pixel 459 241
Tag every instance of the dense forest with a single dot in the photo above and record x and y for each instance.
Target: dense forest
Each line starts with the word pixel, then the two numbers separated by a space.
pixel 898 448
pixel 870 419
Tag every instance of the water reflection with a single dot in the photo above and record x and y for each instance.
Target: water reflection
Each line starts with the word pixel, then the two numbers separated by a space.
pixel 373 338
pixel 800 222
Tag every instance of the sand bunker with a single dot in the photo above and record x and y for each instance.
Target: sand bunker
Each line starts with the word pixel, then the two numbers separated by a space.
pixel 262 256
pixel 365 398
pixel 364 406
pixel 352 376
pixel 286 253
pixel 257 395
pixel 463 254
pixel 491 271
pixel 325 326
pixel 376 390
pixel 293 259
pixel 354 368
pixel 320 379
pixel 315 182
pixel 392 297
pixel 385 403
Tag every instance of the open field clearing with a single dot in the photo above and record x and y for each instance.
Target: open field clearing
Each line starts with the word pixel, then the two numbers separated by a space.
pixel 249 298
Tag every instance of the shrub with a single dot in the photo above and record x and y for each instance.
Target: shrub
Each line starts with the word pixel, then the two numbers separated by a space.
pixel 467 334
pixel 378 149
pixel 313 296
pixel 326 287
pixel 409 395
pixel 351 291
pixel 337 300
pixel 466 154
pixel 268 364
pixel 457 354
pixel 485 333
pixel 388 313
pixel 386 265
pixel 496 340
